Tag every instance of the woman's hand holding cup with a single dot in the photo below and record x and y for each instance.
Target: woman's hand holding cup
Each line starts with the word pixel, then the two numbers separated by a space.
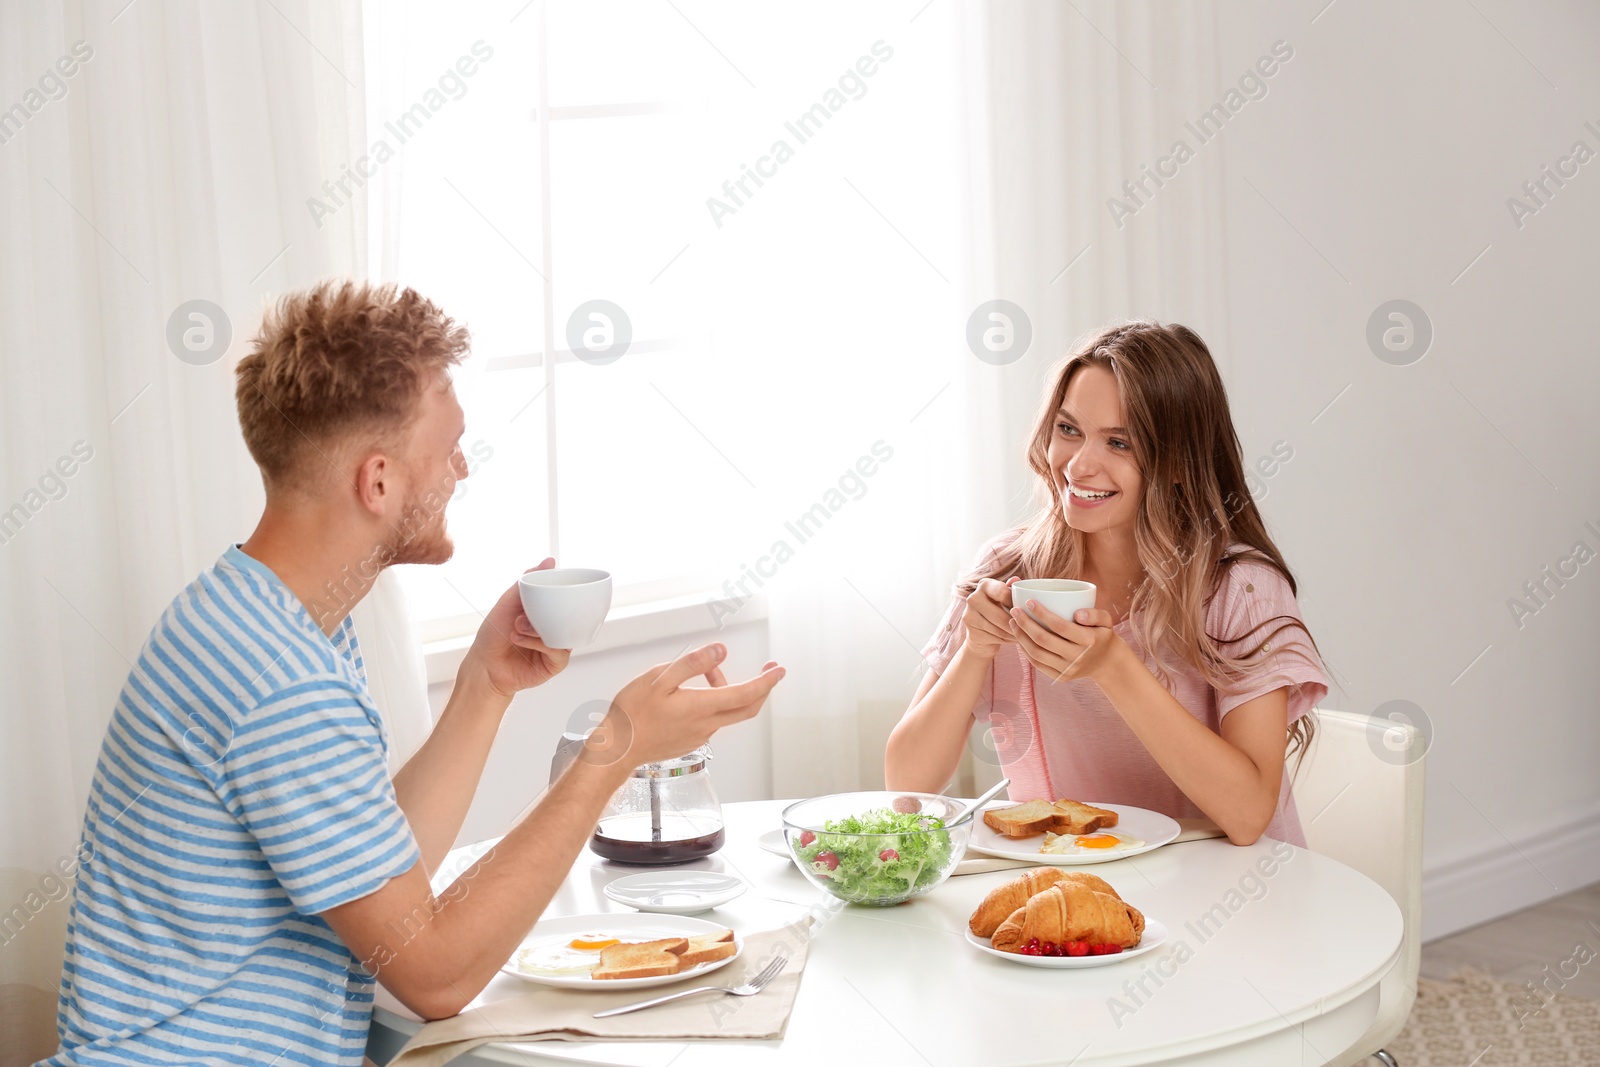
pixel 987 617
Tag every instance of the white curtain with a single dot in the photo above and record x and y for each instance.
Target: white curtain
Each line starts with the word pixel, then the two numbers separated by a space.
pixel 868 339
pixel 1057 105
pixel 173 163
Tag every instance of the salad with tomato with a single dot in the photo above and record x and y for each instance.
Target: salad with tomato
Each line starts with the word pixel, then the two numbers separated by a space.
pixel 879 855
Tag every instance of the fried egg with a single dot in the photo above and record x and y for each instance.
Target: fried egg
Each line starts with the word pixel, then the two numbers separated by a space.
pixel 580 955
pixel 1083 844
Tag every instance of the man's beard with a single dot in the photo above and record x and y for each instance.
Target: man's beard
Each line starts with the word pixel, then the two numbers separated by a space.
pixel 425 541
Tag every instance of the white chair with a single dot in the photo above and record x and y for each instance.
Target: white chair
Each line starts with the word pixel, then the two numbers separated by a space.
pixel 1359 796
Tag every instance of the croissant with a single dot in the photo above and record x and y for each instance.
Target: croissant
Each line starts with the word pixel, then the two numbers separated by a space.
pixel 1068 911
pixel 1005 899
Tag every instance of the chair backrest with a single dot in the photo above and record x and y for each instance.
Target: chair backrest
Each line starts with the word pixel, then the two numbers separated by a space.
pixel 1359 796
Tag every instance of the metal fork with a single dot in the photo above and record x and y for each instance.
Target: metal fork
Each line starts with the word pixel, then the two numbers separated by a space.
pixel 748 989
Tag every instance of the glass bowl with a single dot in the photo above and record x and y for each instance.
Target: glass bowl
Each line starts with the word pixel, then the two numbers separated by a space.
pixel 879 869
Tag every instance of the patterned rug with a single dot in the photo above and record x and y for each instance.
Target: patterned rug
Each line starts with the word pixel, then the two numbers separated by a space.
pixel 1473 1020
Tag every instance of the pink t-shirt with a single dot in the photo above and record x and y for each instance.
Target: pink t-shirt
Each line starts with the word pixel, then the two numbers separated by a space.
pixel 1065 739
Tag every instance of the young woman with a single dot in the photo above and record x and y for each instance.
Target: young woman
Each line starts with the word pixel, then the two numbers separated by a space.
pixel 1185 689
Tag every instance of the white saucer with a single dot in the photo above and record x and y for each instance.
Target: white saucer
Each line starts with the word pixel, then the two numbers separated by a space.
pixel 773 842
pixel 675 892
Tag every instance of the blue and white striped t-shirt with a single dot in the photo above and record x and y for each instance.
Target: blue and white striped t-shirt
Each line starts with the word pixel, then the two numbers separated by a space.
pixel 241 791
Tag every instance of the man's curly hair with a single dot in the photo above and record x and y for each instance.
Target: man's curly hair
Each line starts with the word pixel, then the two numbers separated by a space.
pixel 341 363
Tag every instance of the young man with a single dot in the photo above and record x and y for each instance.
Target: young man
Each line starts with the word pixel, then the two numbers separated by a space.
pixel 250 863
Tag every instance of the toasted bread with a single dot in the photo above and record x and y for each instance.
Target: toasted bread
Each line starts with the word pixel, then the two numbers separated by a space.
pixel 1073 817
pixel 1022 820
pixel 641 959
pixel 709 947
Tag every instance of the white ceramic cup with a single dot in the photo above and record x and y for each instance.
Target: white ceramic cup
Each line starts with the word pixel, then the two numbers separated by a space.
pixel 566 605
pixel 1064 596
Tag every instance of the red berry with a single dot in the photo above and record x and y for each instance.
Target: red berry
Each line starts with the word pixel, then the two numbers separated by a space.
pixel 888 854
pixel 1078 948
pixel 1029 950
pixel 828 859
pixel 1034 941
pixel 806 837
pixel 1055 950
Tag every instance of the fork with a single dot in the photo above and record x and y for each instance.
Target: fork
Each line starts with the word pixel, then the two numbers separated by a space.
pixel 748 989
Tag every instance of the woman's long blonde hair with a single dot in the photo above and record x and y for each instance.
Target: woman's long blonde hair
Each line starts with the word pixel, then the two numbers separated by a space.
pixel 1195 504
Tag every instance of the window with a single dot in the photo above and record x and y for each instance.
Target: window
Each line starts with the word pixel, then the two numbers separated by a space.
pixel 570 153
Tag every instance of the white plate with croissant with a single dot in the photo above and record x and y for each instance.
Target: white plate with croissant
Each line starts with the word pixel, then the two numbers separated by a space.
pixel 1050 917
pixel 1155 934
pixel 1066 833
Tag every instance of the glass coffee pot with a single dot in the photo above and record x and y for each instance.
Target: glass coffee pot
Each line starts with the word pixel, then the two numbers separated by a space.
pixel 665 813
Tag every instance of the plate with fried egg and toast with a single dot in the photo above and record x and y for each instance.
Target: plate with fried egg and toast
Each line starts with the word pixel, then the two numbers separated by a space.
pixel 622 951
pixel 1067 833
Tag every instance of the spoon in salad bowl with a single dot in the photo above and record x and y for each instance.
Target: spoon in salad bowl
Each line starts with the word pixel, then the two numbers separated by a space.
pixel 977 805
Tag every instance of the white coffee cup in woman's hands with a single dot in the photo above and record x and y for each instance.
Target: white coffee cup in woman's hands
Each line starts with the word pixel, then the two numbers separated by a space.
pixel 1063 596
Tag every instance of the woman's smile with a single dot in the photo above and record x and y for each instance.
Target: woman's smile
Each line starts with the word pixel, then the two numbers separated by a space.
pixel 1087 497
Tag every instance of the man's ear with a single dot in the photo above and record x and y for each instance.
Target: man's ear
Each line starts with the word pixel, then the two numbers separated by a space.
pixel 375 482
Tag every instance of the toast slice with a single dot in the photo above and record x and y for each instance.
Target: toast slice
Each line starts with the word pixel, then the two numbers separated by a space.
pixel 709 947
pixel 1022 820
pixel 641 959
pixel 1072 817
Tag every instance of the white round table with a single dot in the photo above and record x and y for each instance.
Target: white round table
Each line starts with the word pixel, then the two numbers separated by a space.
pixel 1267 970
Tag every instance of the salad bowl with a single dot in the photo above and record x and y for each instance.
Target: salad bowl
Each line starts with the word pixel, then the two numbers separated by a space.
pixel 876 848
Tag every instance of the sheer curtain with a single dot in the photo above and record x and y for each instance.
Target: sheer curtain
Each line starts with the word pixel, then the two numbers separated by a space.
pixel 849 615
pixel 173 164
pixel 1076 100
pixel 1054 107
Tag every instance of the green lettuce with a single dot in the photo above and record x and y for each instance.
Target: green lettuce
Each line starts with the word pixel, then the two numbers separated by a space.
pixel 917 859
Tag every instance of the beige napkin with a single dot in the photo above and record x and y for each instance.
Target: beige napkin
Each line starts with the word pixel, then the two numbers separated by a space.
pixel 549 1014
pixel 1193 830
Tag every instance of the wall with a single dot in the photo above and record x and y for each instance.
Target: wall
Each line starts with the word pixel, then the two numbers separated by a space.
pixel 1415 508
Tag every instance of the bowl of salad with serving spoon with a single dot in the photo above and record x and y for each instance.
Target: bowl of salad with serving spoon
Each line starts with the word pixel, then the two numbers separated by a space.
pixel 879 848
